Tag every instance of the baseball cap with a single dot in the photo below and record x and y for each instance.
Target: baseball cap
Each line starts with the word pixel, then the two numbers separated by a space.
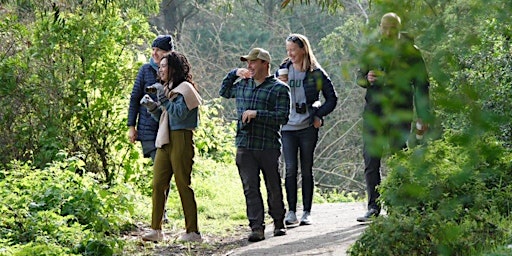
pixel 257 53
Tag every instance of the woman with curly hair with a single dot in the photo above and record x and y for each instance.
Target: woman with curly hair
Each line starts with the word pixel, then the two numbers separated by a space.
pixel 177 113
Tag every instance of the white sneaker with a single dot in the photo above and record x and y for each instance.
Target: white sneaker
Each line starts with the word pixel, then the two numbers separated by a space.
pixel 291 218
pixel 306 218
pixel 154 236
pixel 191 237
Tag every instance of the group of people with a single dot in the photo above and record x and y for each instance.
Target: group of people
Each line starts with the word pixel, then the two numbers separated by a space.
pixel 278 113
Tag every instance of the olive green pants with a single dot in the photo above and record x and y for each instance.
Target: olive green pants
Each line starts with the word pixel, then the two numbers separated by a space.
pixel 175 158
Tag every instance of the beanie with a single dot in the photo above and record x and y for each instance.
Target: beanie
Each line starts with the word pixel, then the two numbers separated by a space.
pixel 164 42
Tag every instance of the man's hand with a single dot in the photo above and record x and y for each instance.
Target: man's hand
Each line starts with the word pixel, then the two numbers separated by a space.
pixel 243 73
pixel 248 115
pixel 421 127
pixel 371 76
pixel 148 102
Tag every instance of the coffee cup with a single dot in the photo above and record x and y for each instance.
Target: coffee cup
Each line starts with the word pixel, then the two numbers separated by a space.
pixel 283 74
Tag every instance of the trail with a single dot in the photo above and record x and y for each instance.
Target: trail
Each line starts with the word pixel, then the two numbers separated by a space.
pixel 334 229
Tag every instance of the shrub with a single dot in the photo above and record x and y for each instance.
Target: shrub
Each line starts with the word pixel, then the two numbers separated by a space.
pixel 446 198
pixel 214 138
pixel 57 206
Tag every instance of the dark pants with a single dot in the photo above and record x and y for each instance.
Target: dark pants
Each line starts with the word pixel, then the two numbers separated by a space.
pixel 249 163
pixel 299 143
pixel 149 149
pixel 375 138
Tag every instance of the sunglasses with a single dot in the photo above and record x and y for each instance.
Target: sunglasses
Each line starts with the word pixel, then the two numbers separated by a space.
pixel 296 40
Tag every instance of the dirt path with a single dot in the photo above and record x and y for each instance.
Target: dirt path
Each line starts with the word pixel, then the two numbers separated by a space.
pixel 334 229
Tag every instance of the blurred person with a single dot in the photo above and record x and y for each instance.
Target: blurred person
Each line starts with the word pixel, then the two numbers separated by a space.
pixel 177 112
pixel 140 124
pixel 263 105
pixel 307 80
pixel 396 81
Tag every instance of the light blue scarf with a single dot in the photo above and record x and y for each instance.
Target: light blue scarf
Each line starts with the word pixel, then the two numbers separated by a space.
pixel 153 64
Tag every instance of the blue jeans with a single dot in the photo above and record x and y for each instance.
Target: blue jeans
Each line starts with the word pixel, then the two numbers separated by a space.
pixel 303 143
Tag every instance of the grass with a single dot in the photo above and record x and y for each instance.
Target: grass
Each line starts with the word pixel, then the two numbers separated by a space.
pixel 219 196
pixel 220 199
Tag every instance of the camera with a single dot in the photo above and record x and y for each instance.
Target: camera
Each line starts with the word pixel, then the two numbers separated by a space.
pixel 300 109
pixel 154 88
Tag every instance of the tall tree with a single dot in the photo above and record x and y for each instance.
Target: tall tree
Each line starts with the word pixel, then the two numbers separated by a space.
pixel 173 15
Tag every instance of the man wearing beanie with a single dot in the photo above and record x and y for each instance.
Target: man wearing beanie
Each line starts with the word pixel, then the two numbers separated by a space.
pixel 397 92
pixel 142 127
pixel 263 105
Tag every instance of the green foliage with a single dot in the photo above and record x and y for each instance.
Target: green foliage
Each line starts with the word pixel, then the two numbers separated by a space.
pixel 335 196
pixel 40 249
pixel 55 206
pixel 214 138
pixel 67 88
pixel 330 5
pixel 444 199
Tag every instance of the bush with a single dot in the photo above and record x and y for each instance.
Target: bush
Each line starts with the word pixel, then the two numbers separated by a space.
pixel 447 198
pixel 55 206
pixel 214 138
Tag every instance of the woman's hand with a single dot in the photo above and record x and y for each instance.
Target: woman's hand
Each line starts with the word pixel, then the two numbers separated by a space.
pixel 132 134
pixel 317 122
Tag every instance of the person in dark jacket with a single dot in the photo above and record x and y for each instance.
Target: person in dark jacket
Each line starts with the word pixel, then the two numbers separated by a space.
pixel 307 80
pixel 142 127
pixel 396 81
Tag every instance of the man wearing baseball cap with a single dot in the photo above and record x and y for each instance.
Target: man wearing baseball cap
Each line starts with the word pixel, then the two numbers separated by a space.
pixel 263 105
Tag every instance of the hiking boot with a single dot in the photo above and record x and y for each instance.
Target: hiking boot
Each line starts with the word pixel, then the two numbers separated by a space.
pixel 256 235
pixel 306 218
pixel 279 228
pixel 165 219
pixel 291 218
pixel 191 237
pixel 153 236
pixel 369 216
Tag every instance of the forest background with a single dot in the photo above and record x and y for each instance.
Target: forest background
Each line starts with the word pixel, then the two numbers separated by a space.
pixel 67 69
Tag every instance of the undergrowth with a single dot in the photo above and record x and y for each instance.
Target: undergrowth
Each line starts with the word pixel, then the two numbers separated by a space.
pixel 444 198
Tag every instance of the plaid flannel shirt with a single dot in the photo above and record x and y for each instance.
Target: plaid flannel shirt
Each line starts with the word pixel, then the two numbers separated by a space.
pixel 271 100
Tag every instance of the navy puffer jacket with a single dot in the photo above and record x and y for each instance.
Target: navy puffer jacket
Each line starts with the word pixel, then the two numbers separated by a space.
pixel 138 115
